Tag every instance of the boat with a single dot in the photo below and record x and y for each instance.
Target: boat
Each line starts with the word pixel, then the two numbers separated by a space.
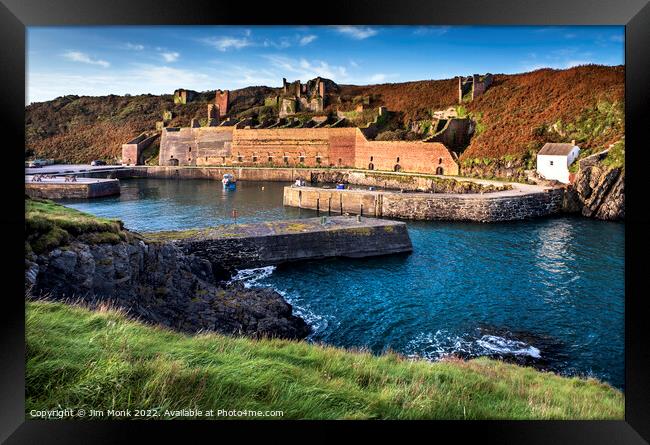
pixel 229 182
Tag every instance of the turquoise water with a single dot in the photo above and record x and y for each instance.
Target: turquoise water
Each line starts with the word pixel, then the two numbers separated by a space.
pixel 547 292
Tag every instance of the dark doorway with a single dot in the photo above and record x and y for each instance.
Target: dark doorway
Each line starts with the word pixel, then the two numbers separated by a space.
pixel 371 166
pixel 397 167
pixel 439 171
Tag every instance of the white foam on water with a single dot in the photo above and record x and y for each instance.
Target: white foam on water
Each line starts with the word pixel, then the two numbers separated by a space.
pixel 435 346
pixel 504 346
pixel 253 277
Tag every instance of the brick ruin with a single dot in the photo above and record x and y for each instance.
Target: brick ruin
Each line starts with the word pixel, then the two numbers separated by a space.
pixel 345 147
pixel 473 86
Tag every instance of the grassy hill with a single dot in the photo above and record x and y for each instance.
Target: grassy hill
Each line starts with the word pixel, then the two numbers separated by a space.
pixel 101 360
pixel 516 115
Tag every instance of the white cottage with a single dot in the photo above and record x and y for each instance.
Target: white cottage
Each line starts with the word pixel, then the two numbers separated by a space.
pixel 553 160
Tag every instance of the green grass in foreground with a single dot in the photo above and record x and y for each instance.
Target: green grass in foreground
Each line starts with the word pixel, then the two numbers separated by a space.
pixel 49 225
pixel 100 360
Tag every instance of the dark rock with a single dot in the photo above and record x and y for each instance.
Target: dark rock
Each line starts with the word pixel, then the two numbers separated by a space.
pixel 158 283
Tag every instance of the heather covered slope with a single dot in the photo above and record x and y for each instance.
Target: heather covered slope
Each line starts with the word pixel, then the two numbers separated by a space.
pixel 515 117
pixel 522 112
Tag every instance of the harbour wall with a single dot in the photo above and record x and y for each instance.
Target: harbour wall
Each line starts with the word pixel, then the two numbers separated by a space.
pixel 492 207
pixel 240 246
pixel 74 190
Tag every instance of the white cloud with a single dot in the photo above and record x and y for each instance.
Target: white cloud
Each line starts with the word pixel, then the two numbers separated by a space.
pixel 431 30
pixel 618 38
pixel 225 43
pixel 134 46
pixel 305 69
pixel 77 56
pixel 354 64
pixel 306 40
pixel 170 56
pixel 281 44
pixel 357 32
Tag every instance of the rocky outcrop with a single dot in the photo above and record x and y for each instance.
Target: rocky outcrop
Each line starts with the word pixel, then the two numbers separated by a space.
pixel 158 283
pixel 597 192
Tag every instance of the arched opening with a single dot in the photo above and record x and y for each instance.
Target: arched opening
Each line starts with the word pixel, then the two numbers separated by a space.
pixel 371 158
pixel 371 166
pixel 340 161
pixel 397 167
pixel 439 171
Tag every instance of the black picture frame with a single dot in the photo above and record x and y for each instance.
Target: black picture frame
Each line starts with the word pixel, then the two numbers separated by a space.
pixel 16 15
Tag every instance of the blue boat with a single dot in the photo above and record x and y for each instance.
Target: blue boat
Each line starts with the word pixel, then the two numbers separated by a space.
pixel 229 182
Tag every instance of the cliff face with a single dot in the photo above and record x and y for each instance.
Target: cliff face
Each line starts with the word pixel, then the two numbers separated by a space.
pixel 597 192
pixel 157 283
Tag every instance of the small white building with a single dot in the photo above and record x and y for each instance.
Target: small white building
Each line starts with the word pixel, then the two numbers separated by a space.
pixel 553 160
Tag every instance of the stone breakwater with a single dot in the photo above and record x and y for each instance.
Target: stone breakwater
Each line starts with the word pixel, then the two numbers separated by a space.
pixel 242 246
pixel 520 203
pixel 83 188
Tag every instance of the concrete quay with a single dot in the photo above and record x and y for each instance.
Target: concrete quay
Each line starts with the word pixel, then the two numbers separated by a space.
pixel 240 246
pixel 521 202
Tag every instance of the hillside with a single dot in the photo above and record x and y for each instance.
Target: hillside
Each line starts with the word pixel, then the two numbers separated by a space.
pixel 516 115
pixel 80 359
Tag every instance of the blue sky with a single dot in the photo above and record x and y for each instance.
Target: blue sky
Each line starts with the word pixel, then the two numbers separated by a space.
pixel 146 59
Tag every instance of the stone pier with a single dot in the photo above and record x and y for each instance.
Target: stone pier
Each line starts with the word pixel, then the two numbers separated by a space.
pixel 240 246
pixel 82 188
pixel 521 202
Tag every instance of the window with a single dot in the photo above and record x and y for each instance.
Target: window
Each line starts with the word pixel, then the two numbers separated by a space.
pixel 270 158
pixel 551 162
pixel 240 158
pixel 286 159
pixel 398 159
pixel 301 159
pixel 254 158
pixel 371 158
pixel 439 160
pixel 397 167
pixel 439 171
pixel 318 160
pixel 371 166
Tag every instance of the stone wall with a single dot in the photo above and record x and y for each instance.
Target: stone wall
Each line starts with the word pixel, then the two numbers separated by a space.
pixel 307 147
pixel 405 156
pixel 424 206
pixel 411 183
pixel 72 190
pixel 456 133
pixel 279 242
pixel 132 150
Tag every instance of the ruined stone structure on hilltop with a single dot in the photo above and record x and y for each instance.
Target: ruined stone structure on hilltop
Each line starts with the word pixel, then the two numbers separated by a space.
pixel 222 101
pixel 296 96
pixel 474 85
pixel 182 96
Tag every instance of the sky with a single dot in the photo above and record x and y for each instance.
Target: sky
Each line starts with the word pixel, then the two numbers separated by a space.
pixel 133 60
